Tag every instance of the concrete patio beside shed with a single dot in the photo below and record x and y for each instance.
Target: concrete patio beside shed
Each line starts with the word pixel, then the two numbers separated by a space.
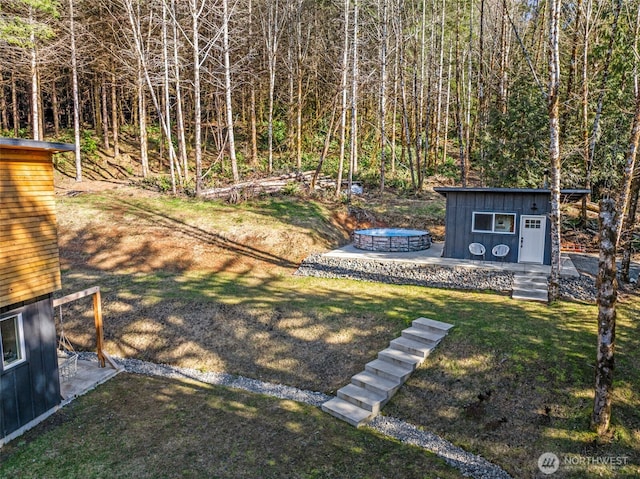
pixel 433 256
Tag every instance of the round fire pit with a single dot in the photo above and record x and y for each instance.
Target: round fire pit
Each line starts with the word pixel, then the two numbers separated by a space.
pixel 391 239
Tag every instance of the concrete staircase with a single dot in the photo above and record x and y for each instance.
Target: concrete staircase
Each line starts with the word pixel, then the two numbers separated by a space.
pixel 362 399
pixel 530 287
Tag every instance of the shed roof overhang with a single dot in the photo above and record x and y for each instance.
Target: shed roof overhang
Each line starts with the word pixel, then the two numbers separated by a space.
pixel 566 196
pixel 22 144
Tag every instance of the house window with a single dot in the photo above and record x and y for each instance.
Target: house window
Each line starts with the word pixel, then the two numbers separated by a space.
pixel 11 341
pixel 504 223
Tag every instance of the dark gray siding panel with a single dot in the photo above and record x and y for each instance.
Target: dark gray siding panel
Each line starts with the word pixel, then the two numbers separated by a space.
pixel 10 413
pixel 459 215
pixel 32 388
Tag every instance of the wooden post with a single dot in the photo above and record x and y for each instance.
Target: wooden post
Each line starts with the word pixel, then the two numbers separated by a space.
pixel 97 316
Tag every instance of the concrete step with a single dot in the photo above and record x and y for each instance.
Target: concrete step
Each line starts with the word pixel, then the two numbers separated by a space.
pixel 400 358
pixel 376 384
pixel 431 325
pixel 424 336
pixel 387 370
pixel 530 295
pixel 530 283
pixel 344 410
pixel 417 348
pixel 362 398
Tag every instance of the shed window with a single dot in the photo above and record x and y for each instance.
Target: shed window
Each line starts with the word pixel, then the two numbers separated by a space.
pixel 504 223
pixel 12 341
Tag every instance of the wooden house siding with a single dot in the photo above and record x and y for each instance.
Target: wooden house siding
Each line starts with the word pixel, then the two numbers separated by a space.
pixel 31 388
pixel 29 260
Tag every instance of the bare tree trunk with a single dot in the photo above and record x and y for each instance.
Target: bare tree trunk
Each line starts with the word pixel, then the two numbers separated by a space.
pixel 104 109
pixel 14 106
pixel 35 92
pixel 227 91
pixel 76 100
pixel 586 147
pixel 445 140
pixel 54 107
pixel 627 231
pixel 353 163
pixel 459 113
pixel 299 77
pixel 182 142
pixel 554 145
pixel 142 122
pixel 272 31
pixel 173 164
pixel 114 115
pixel 383 93
pixel 195 13
pixel 607 296
pixel 254 120
pixel 343 89
pixel 405 115
pixel 4 118
pixel 436 142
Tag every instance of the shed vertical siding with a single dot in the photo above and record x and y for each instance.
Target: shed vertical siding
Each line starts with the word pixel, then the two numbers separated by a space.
pixel 459 217
pixel 31 388
pixel 29 261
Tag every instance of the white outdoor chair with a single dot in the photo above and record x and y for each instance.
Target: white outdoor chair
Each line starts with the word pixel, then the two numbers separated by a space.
pixel 477 249
pixel 500 251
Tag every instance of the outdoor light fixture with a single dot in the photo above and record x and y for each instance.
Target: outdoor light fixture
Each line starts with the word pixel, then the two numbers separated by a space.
pixel 534 207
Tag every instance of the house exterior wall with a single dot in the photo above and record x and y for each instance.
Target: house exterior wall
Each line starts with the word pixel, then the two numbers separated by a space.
pixel 29 261
pixel 459 215
pixel 29 274
pixel 31 388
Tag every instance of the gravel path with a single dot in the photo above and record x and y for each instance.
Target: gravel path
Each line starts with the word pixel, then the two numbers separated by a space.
pixel 470 465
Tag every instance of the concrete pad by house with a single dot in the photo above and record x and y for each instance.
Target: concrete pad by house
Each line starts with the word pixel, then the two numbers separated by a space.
pixel 89 374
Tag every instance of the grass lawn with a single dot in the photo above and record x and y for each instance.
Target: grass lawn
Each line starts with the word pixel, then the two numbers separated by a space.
pixel 140 427
pixel 210 286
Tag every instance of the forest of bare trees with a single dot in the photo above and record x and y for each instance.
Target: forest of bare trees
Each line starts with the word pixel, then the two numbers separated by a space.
pixel 386 91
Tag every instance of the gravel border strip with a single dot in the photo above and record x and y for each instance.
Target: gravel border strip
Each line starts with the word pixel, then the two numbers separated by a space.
pixel 469 464
pixel 449 277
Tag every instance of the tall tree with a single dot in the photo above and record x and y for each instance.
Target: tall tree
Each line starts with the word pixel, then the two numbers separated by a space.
pixel 607 295
pixel 76 101
pixel 227 91
pixel 554 144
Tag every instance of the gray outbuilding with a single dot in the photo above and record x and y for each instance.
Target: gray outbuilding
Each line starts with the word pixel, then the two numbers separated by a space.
pixel 500 224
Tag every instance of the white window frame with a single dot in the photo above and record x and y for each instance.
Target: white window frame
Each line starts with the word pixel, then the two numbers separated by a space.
pixel 493 222
pixel 20 340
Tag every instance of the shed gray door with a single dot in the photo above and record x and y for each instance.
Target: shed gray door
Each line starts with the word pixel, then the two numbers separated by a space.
pixel 532 239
